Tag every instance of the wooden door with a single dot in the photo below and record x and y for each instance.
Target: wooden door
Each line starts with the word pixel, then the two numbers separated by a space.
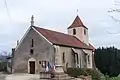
pixel 32 67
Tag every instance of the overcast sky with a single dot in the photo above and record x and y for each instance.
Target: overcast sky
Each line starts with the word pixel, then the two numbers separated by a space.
pixel 58 15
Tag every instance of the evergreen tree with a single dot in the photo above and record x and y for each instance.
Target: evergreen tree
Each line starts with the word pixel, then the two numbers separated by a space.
pixel 107 60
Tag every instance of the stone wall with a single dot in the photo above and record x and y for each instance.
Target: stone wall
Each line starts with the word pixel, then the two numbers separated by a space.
pixel 43 51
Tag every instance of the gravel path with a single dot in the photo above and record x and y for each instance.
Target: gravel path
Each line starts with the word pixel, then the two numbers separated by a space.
pixel 19 77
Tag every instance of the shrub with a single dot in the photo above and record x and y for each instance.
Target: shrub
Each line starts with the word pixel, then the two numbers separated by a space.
pixel 75 72
pixel 95 75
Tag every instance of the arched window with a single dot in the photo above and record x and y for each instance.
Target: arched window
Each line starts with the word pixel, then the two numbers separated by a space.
pixel 74 31
pixel 88 59
pixel 63 57
pixel 32 45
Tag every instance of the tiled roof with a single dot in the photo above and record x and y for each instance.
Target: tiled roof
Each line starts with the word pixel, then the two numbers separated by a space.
pixel 62 39
pixel 77 23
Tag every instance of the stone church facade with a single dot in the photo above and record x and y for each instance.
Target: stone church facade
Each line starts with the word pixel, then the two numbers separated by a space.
pixel 40 46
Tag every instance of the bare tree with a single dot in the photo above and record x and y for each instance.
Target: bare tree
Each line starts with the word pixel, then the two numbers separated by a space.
pixel 115 9
pixel 4 53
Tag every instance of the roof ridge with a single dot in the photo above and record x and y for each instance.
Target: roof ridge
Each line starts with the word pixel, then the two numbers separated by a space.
pixel 54 31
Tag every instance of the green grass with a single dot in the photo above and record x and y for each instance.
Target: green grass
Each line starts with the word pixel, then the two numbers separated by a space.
pixel 109 78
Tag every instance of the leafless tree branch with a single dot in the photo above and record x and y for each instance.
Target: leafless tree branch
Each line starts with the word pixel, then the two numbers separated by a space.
pixel 113 33
pixel 116 20
pixel 114 10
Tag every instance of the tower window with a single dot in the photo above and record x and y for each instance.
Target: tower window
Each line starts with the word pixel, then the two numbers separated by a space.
pixel 32 43
pixel 84 31
pixel 74 31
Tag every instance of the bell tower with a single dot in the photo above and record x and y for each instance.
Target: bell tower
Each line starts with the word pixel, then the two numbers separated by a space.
pixel 79 30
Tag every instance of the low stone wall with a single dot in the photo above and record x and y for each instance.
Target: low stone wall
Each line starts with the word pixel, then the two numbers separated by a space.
pixel 60 76
pixel 45 75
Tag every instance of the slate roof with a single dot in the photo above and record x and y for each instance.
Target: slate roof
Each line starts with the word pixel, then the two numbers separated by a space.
pixel 63 39
pixel 77 23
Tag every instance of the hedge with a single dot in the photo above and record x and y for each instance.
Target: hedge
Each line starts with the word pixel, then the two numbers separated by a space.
pixel 76 72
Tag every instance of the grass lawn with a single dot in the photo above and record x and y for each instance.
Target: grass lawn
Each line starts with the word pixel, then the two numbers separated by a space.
pixel 107 78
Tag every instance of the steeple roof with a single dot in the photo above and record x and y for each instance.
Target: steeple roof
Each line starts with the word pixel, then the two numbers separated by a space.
pixel 77 23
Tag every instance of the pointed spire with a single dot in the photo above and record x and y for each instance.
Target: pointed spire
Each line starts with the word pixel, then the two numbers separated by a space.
pixel 77 23
pixel 32 20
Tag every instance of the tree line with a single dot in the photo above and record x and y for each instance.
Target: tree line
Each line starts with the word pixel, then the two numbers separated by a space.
pixel 107 60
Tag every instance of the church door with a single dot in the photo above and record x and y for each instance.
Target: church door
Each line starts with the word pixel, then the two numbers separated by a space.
pixel 32 67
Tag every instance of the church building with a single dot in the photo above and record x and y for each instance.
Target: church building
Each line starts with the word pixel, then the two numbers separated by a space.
pixel 40 47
